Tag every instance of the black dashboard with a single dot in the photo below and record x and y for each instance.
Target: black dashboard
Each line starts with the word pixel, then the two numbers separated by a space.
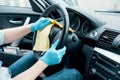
pixel 106 38
pixel 105 35
pixel 79 24
pixel 101 44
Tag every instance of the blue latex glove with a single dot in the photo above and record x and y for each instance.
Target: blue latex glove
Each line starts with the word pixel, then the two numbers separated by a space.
pixel 53 56
pixel 40 24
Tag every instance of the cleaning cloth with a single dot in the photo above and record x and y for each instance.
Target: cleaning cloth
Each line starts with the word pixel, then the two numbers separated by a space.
pixel 42 42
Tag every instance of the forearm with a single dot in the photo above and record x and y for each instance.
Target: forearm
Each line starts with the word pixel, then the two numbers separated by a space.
pixel 33 72
pixel 13 34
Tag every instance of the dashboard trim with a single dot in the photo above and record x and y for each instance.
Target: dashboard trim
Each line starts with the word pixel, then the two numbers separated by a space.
pixel 111 55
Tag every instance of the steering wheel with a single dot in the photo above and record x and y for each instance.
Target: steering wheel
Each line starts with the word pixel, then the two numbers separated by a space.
pixel 63 17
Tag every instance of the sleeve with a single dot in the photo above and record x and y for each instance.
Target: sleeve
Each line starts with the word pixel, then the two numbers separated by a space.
pixel 1 37
pixel 5 74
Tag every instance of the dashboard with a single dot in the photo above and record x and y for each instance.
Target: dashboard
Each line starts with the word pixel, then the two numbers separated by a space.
pixel 79 24
pixel 101 45
pixel 106 36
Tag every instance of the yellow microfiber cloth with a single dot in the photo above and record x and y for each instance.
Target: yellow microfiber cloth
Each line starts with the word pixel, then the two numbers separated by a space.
pixel 42 42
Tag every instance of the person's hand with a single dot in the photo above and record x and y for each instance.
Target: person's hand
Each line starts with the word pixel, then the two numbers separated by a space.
pixel 53 56
pixel 40 24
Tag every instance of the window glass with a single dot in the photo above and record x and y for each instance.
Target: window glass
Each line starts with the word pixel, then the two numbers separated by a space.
pixel 16 3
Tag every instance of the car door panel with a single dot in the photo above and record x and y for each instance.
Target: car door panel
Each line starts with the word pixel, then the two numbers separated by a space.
pixel 8 14
pixel 14 17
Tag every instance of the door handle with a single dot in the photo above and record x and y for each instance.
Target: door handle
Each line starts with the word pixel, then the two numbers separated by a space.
pixel 15 22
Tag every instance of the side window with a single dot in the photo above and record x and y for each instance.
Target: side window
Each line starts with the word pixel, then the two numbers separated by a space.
pixel 15 3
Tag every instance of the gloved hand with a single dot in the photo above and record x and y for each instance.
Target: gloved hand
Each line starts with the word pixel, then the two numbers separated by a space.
pixel 40 24
pixel 53 56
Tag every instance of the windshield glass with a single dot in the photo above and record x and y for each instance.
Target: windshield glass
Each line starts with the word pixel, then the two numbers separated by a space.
pixel 15 3
pixel 96 5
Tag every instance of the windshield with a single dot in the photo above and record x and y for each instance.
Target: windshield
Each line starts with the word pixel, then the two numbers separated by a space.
pixel 96 5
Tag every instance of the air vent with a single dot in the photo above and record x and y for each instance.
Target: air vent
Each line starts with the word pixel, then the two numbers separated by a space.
pixel 107 37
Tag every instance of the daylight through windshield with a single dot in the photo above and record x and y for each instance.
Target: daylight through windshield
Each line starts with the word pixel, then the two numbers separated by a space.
pixel 96 5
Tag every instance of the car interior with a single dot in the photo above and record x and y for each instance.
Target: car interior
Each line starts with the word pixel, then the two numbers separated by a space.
pixel 93 48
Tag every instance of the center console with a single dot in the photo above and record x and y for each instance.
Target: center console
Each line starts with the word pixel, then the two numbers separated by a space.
pixel 102 64
pixel 103 59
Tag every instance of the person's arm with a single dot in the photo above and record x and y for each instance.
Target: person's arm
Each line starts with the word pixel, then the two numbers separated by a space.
pixel 33 72
pixel 13 34
pixel 51 57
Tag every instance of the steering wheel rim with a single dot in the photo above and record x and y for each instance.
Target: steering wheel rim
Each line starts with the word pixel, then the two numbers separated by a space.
pixel 63 12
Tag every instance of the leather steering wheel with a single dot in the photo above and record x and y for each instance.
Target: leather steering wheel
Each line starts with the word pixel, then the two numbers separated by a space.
pixel 64 17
